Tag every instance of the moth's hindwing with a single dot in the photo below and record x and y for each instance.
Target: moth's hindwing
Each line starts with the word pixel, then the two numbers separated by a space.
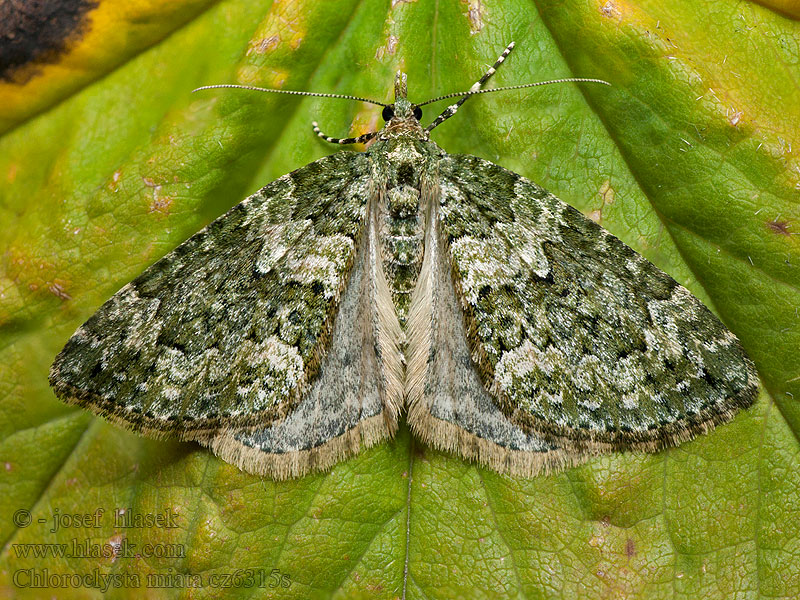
pixel 232 329
pixel 576 337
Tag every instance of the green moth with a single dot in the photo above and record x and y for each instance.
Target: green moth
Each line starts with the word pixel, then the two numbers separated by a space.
pixel 296 329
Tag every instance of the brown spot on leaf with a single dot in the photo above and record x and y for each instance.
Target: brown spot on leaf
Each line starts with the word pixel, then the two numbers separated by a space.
pixel 159 204
pixel 735 117
pixel 388 49
pixel 37 32
pixel 115 541
pixel 57 289
pixel 607 193
pixel 779 227
pixel 267 44
pixel 607 196
pixel 115 177
pixel 285 24
pixel 11 174
pixel 630 548
pixel 611 10
pixel 596 541
pixel 475 14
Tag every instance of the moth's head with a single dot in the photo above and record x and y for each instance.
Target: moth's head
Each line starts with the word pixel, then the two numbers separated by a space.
pixel 402 117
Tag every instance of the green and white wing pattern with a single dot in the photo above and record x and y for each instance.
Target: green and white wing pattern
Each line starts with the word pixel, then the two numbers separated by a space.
pixel 292 331
pixel 356 397
pixel 448 405
pixel 577 338
pixel 233 328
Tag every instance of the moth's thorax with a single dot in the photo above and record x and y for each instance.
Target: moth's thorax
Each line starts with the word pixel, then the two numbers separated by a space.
pixel 404 180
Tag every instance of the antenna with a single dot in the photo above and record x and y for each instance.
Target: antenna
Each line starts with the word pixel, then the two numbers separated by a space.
pixel 291 92
pixel 514 87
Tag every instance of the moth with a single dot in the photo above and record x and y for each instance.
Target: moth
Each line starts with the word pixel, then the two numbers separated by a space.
pixel 298 328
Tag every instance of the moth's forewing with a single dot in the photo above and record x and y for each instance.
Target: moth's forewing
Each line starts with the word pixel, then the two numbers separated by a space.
pixel 577 337
pixel 232 327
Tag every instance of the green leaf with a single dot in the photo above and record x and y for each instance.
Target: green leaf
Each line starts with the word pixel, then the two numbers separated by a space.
pixel 690 158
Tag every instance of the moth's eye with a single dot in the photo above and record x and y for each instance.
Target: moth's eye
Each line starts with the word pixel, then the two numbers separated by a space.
pixel 388 113
pixel 417 113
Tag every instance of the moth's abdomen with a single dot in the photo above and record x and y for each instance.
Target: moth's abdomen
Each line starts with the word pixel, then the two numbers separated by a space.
pixel 402 231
